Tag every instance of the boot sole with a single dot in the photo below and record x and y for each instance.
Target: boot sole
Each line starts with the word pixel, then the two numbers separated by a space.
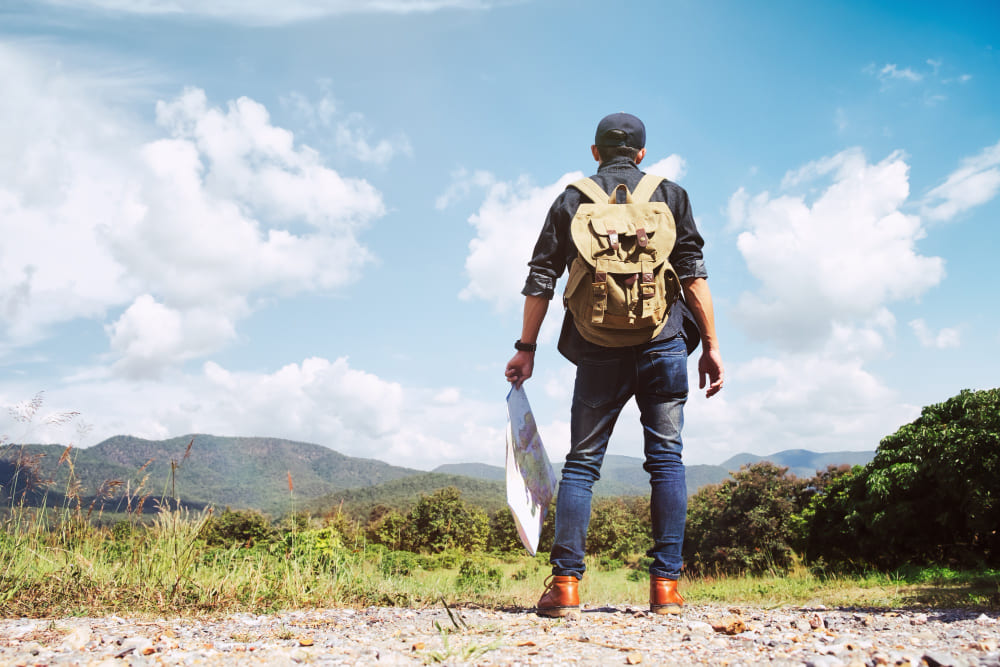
pixel 664 609
pixel 559 612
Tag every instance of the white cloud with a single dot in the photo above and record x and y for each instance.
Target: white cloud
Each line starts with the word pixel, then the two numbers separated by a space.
pixel 943 339
pixel 351 132
pixel 507 226
pixel 353 137
pixel 266 12
pixel 835 259
pixel 320 401
pixel 975 182
pixel 462 184
pixel 673 167
pixel 891 71
pixel 150 337
pixel 793 401
pixel 184 232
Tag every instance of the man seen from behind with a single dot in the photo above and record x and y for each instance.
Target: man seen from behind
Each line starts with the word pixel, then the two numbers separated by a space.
pixel 638 304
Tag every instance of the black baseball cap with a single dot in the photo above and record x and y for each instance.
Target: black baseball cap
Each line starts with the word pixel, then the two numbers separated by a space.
pixel 621 129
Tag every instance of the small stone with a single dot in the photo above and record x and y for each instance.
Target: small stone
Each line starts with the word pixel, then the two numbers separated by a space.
pixel 731 625
pixel 633 659
pixel 938 659
pixel 77 639
pixel 700 627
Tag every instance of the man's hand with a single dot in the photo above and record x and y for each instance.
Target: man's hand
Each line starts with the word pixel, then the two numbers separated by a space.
pixel 519 368
pixel 710 369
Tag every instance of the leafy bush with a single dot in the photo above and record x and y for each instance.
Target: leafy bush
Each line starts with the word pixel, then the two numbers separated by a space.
pixel 238 528
pixel 448 559
pixel 503 533
pixel 322 548
pixel 478 576
pixel 745 524
pixel 442 521
pixel 619 527
pixel 930 495
pixel 387 528
pixel 398 563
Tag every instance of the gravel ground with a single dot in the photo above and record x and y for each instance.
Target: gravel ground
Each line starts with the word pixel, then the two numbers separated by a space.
pixel 702 635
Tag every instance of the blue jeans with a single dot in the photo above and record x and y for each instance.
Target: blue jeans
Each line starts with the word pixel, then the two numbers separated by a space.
pixel 656 374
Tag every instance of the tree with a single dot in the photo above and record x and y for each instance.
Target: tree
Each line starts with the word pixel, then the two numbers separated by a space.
pixel 747 523
pixel 619 527
pixel 238 528
pixel 443 521
pixel 929 495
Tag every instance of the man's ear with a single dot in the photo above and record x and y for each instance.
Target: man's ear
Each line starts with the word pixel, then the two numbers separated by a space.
pixel 642 154
pixel 595 152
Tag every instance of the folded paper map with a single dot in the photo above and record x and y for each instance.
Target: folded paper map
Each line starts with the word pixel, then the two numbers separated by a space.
pixel 531 484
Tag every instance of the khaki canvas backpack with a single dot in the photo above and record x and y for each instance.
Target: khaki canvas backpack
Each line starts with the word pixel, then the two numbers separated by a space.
pixel 621 284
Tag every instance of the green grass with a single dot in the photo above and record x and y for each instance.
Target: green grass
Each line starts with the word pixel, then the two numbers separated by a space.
pixel 55 564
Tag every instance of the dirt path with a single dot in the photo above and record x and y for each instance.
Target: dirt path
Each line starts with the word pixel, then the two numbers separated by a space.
pixel 703 635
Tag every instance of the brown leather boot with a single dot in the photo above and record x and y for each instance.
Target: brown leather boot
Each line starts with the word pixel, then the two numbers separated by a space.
pixel 560 598
pixel 663 596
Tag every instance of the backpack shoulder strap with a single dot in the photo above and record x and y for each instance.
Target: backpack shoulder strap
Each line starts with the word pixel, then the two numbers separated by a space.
pixel 591 189
pixel 646 187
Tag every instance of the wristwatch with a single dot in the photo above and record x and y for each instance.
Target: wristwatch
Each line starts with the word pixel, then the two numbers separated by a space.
pixel 525 347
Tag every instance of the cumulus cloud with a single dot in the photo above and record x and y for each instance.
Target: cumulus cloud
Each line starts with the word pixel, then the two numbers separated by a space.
pixel 673 167
pixel 322 401
pixel 180 227
pixel 463 183
pixel 353 136
pixel 351 131
pixel 975 182
pixel 266 12
pixel 836 256
pixel 507 226
pixel 794 401
pixel 150 336
pixel 943 339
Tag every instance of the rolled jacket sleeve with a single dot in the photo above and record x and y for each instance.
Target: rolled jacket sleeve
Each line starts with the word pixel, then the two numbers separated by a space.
pixel 686 257
pixel 553 251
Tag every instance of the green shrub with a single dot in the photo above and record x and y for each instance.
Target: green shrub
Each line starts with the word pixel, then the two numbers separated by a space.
pixel 238 528
pixel 610 563
pixel 745 524
pixel 443 521
pixel 478 576
pixel 931 495
pixel 619 527
pixel 398 563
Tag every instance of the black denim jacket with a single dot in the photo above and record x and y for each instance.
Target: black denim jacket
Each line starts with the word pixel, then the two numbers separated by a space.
pixel 555 251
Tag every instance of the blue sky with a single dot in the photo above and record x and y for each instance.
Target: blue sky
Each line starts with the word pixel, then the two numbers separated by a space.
pixel 311 219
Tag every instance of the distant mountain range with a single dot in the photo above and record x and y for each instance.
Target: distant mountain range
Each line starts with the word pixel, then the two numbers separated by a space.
pixel 624 475
pixel 275 475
